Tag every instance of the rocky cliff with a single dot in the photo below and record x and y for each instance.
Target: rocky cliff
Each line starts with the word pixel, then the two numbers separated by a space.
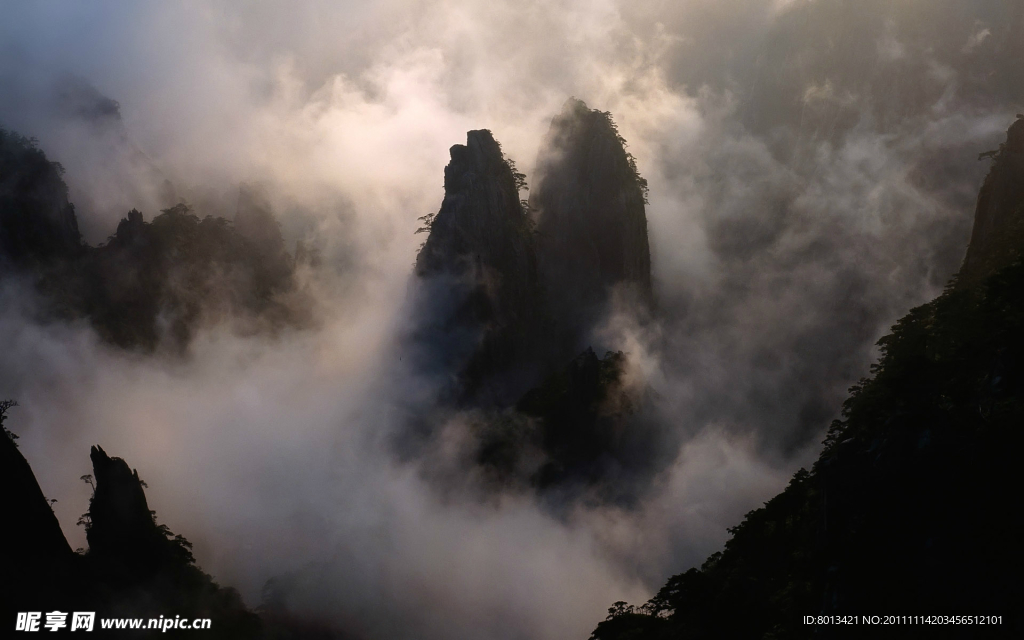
pixel 511 295
pixel 37 223
pixel 38 566
pixel 123 535
pixel 588 202
pixel 479 257
pixel 133 567
pixel 909 507
pixel 526 291
pixel 998 235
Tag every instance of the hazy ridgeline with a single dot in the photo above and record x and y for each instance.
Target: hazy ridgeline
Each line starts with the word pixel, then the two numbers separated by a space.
pixel 376 427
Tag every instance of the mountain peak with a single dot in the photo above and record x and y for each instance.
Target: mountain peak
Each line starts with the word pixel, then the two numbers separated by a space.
pixel 122 525
pixel 481 156
pixel 589 202
pixel 1015 136
pixel 479 256
pixel 998 231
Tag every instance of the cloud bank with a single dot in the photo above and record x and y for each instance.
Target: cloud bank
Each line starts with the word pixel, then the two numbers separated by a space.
pixel 812 176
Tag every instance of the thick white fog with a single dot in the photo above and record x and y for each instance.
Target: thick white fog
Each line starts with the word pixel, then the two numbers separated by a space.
pixel 806 189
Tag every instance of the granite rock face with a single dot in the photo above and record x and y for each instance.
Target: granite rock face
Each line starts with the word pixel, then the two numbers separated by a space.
pixel 480 259
pixel 122 532
pixel 588 201
pixel 510 296
pixel 135 564
pixel 518 293
pixel 998 233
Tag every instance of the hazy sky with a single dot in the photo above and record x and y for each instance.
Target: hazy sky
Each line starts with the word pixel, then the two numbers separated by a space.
pixel 812 175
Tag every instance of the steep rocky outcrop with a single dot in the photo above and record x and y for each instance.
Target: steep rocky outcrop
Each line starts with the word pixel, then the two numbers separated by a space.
pixel 479 261
pixel 588 202
pixel 511 295
pixel 910 506
pixel 122 533
pixel 518 295
pixel 130 229
pixel 38 566
pixel 133 567
pixel 37 223
pixel 998 235
pixel 137 566
pixel 591 426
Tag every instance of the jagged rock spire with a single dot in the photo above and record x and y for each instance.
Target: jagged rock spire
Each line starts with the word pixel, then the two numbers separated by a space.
pixel 481 220
pixel 591 222
pixel 122 529
pixel 480 257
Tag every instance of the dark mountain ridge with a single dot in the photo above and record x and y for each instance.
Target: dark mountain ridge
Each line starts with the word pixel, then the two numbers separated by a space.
pixel 592 242
pixel 480 248
pixel 533 282
pixel 152 284
pixel 998 232
pixel 133 567
pixel 37 223
pixel 906 510
pixel 514 292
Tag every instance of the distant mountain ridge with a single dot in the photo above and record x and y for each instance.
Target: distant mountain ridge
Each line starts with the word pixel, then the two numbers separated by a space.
pixel 152 284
